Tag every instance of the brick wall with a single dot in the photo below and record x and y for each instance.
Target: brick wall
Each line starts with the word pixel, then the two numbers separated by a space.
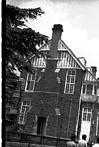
pixel 95 113
pixel 44 98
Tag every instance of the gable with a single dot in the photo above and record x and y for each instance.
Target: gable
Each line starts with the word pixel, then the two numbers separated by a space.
pixel 66 58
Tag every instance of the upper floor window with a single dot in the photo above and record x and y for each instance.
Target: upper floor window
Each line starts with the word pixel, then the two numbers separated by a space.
pixel 70 82
pixel 30 83
pixel 89 89
pixel 84 89
pixel 25 107
pixel 86 114
pixel 95 89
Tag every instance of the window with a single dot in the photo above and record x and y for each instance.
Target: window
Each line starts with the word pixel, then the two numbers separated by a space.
pixel 86 114
pixel 84 89
pixel 43 70
pixel 89 89
pixel 30 82
pixel 97 126
pixel 70 82
pixel 95 89
pixel 25 107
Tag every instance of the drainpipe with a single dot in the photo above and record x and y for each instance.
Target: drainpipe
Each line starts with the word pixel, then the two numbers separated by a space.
pixel 78 116
pixel 69 117
pixel 57 109
pixel 79 109
pixel 19 101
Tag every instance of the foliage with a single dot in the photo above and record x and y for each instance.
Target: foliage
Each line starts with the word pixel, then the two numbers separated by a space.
pixel 21 44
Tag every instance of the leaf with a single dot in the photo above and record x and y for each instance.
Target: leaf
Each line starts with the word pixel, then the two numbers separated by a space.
pixel 21 44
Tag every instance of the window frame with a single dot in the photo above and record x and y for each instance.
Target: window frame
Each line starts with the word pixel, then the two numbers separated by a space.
pixel 83 88
pixel 86 113
pixel 93 91
pixel 97 125
pixel 70 76
pixel 88 90
pixel 31 80
pixel 23 114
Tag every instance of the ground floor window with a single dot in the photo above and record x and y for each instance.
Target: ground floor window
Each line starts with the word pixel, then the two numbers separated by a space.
pixel 86 114
pixel 97 126
pixel 25 106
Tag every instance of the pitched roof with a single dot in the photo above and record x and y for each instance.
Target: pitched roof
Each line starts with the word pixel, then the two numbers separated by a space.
pixel 63 47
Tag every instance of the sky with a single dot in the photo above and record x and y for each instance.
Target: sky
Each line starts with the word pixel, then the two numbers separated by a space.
pixel 80 20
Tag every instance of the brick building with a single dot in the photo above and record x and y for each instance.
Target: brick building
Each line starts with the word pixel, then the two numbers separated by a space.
pixel 53 98
pixel 89 109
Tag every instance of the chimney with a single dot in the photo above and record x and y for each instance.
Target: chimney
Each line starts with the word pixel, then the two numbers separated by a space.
pixel 56 36
pixel 82 60
pixel 94 70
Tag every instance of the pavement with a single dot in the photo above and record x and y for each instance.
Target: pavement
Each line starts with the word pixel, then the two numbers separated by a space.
pixel 18 144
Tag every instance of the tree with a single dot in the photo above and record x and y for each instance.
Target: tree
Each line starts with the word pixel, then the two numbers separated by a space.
pixel 21 43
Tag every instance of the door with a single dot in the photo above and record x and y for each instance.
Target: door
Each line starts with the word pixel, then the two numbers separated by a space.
pixel 41 125
pixel 86 122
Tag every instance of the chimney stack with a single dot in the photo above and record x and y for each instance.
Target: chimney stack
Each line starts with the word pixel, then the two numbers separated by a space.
pixel 83 60
pixel 56 36
pixel 94 70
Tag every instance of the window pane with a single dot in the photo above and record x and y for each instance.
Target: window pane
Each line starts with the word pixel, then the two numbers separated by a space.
pixel 72 79
pixel 71 88
pixel 24 102
pixel 31 85
pixel 29 77
pixel 88 117
pixel 73 72
pixel 95 90
pixel 23 109
pixel 68 79
pixel 27 102
pixel 84 116
pixel 27 108
pixel 21 119
pixel 69 72
pixel 67 88
pixel 85 109
pixel 89 109
pixel 33 77
pixel 84 87
pixel 28 85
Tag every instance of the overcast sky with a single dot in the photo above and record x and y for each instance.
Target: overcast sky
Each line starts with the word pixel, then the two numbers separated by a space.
pixel 80 20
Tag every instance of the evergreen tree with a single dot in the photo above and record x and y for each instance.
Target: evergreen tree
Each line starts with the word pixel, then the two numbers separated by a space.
pixel 21 44
pixel 21 41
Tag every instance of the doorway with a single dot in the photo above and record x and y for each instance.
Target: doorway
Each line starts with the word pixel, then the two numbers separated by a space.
pixel 86 122
pixel 41 125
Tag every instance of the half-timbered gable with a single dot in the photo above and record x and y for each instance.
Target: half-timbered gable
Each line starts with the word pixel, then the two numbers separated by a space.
pixel 65 57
